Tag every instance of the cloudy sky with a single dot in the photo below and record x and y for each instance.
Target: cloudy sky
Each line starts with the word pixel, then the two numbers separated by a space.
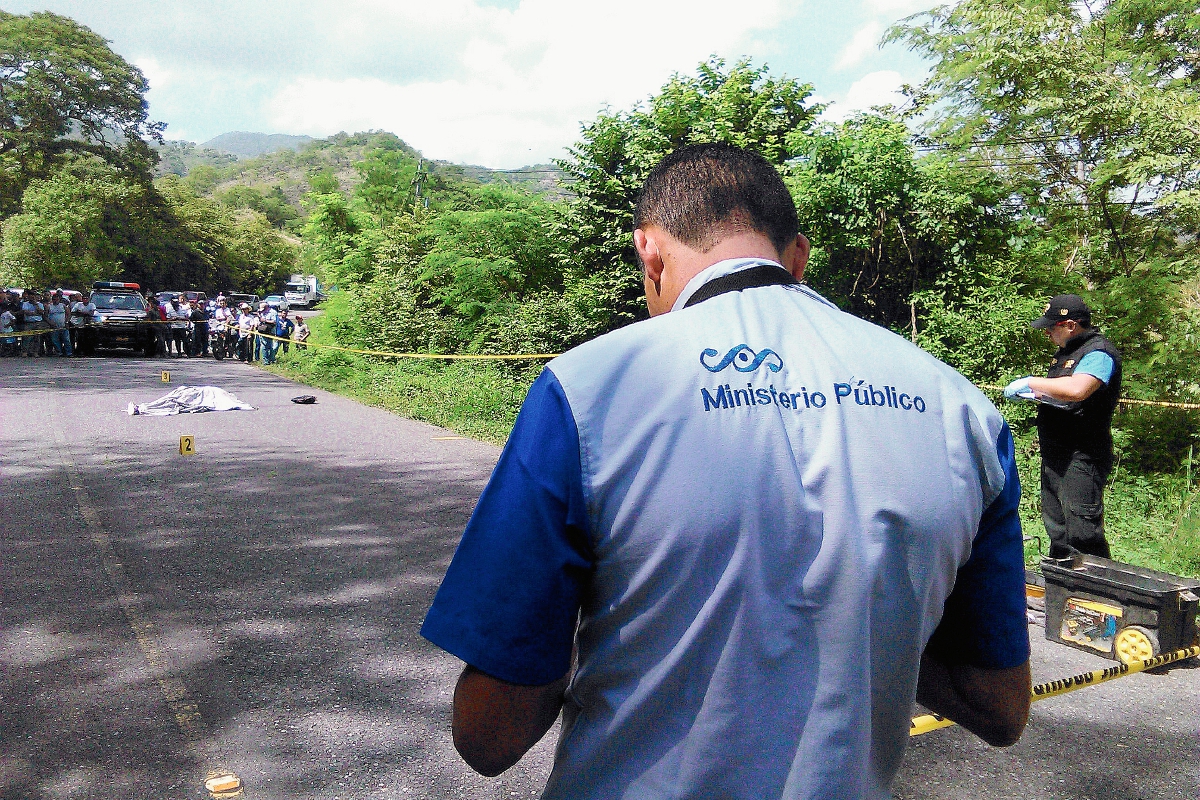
pixel 502 83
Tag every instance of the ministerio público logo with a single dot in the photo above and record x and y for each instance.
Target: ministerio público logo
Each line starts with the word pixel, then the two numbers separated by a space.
pixel 744 359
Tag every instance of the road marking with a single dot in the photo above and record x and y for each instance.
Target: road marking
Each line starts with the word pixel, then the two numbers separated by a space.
pixel 448 438
pixel 145 632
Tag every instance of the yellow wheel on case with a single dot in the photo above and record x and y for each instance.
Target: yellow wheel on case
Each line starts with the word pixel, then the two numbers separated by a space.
pixel 1135 644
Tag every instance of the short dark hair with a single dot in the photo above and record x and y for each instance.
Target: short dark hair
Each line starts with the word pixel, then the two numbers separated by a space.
pixel 702 193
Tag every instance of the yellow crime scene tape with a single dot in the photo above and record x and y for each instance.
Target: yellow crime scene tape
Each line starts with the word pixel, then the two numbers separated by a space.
pixel 931 722
pixel 1125 401
pixel 532 356
pixel 41 331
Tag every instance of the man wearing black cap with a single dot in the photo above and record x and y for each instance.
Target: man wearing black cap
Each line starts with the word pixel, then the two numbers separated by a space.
pixel 1076 403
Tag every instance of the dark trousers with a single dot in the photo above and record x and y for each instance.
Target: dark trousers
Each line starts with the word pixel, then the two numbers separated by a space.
pixel 199 338
pixel 1073 504
pixel 81 339
pixel 162 344
pixel 31 343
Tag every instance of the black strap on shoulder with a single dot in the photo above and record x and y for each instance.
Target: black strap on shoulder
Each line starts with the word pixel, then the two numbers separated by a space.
pixel 762 275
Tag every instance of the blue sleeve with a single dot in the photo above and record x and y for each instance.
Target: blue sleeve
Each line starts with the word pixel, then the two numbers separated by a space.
pixel 510 599
pixel 1097 364
pixel 984 622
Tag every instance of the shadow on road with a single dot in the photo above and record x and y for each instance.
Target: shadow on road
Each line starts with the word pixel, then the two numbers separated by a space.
pixel 286 569
pixel 1056 759
pixel 291 614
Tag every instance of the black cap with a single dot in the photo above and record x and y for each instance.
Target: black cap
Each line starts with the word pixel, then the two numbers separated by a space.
pixel 1062 307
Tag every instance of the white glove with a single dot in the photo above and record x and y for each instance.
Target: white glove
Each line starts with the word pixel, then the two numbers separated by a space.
pixel 1019 389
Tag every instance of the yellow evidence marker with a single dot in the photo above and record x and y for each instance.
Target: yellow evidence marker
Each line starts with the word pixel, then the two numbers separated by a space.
pixel 187 445
pixel 224 784
pixel 166 376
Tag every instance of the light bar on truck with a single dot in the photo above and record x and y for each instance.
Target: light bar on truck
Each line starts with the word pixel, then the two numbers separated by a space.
pixel 133 287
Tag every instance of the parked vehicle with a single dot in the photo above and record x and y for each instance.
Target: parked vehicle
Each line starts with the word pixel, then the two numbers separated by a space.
pixel 303 291
pixel 277 302
pixel 70 295
pixel 122 317
pixel 236 300
pixel 166 297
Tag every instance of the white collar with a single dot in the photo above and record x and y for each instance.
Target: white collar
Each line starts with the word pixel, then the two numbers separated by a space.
pixel 718 270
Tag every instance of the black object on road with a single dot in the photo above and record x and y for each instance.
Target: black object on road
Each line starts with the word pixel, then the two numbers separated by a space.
pixel 305 399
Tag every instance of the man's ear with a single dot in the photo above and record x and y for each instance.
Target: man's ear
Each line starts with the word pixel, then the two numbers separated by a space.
pixel 649 254
pixel 795 256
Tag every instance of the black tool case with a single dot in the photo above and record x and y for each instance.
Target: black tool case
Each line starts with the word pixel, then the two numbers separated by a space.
pixel 1118 610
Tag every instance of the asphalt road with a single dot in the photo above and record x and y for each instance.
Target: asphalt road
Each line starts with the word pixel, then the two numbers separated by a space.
pixel 255 608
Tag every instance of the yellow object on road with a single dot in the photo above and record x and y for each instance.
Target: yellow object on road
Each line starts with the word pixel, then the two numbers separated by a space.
pixel 224 784
pixel 931 722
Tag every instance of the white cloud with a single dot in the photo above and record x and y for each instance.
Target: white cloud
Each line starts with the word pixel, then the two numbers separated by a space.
pixel 863 42
pixel 873 89
pixel 525 79
pixel 897 7
pixel 158 76
pixel 502 83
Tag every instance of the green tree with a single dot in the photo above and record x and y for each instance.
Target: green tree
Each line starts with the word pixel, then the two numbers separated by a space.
pixel 88 222
pixel 323 181
pixel 459 280
pixel 203 178
pixel 206 244
pixel 65 91
pixel 259 258
pixel 885 224
pixel 389 177
pixel 272 204
pixel 1091 113
pixel 741 105
pixel 66 235
pixel 341 238
pixel 195 232
pixel 485 258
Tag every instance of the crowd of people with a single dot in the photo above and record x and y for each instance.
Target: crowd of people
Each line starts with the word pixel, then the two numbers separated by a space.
pixel 186 325
pixel 275 328
pixel 48 320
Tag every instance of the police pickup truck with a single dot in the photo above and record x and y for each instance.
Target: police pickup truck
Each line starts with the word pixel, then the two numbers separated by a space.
pixel 122 317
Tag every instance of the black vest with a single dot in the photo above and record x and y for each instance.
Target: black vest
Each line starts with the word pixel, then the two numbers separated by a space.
pixel 1084 427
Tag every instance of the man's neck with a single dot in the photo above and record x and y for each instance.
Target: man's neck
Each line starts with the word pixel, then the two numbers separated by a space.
pixel 689 263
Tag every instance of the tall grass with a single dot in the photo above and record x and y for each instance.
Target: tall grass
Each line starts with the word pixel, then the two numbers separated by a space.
pixel 1149 520
pixel 477 399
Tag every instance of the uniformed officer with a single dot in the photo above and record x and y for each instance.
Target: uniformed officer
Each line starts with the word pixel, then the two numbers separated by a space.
pixel 1076 403
pixel 732 542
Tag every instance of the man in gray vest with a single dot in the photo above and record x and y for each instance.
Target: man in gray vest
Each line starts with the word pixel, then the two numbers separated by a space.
pixel 1077 399
pixel 732 543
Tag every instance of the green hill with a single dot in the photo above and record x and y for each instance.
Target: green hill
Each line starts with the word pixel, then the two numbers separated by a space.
pixel 248 145
pixel 274 182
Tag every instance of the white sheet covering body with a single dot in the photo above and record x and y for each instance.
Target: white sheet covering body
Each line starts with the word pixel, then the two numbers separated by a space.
pixel 190 400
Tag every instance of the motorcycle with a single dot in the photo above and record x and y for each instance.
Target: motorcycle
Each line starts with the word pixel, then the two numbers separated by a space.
pixel 222 340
